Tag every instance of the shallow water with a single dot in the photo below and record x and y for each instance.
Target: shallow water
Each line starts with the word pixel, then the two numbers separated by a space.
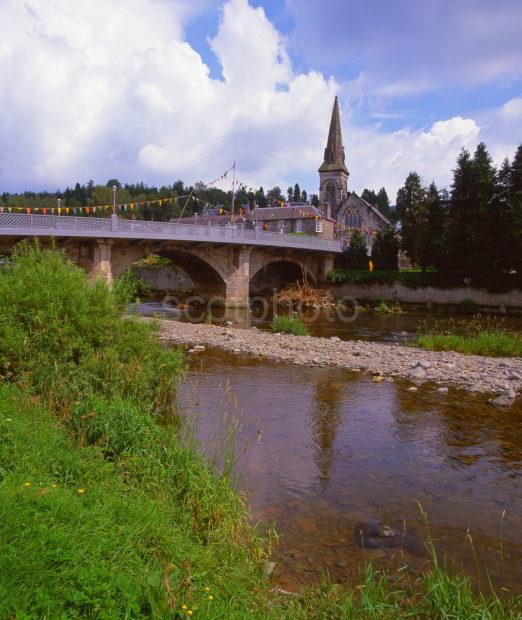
pixel 346 325
pixel 321 449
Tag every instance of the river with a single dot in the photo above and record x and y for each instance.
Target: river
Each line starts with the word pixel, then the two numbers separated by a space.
pixel 319 450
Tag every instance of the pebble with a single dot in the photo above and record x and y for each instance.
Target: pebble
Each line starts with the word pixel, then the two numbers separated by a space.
pixel 501 401
pixel 470 372
pixel 412 389
pixel 442 390
pixel 335 339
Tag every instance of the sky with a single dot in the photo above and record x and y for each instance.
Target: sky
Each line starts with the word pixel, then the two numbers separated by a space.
pixel 160 90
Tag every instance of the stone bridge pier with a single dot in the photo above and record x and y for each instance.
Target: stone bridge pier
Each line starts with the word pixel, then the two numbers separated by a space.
pixel 222 273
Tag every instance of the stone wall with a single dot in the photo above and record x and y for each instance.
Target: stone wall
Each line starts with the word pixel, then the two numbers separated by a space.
pixel 430 296
pixel 165 278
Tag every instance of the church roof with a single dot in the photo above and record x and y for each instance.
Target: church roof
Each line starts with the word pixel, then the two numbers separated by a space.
pixel 334 151
pixel 354 199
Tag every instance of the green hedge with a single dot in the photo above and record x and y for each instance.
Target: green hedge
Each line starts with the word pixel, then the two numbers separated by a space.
pixel 494 283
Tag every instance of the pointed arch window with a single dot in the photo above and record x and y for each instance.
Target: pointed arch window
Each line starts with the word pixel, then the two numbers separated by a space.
pixel 353 218
pixel 331 194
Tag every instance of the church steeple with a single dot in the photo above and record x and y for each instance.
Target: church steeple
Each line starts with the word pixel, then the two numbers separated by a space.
pixel 334 151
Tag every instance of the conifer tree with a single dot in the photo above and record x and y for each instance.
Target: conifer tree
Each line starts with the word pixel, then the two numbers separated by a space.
pixel 385 250
pixel 383 202
pixel 356 254
pixel 516 210
pixel 480 218
pixel 412 206
pixel 461 207
pixel 297 193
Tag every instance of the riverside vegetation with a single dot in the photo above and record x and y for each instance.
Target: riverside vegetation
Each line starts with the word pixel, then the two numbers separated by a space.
pixel 481 335
pixel 106 511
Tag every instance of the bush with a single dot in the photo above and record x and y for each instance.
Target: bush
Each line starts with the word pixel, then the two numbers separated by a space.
pixel 128 288
pixel 356 254
pixel 289 324
pixel 65 339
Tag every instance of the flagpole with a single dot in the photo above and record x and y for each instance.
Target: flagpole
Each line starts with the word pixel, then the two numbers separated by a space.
pixel 233 192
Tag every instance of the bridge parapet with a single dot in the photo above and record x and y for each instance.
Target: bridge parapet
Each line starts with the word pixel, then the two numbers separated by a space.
pixel 33 225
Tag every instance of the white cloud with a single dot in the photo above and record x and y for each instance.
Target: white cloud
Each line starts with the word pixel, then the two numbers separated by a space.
pixel 385 159
pixel 93 93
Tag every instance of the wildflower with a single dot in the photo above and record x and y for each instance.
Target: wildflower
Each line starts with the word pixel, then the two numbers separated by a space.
pixel 189 612
pixel 81 491
pixel 27 485
pixel 53 485
pixel 210 597
pixel 183 606
pixel 207 589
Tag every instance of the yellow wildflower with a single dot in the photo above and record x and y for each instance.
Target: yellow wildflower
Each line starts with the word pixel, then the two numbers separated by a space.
pixel 81 491
pixel 53 485
pixel 183 606
pixel 207 589
pixel 189 612
pixel 27 485
pixel 210 597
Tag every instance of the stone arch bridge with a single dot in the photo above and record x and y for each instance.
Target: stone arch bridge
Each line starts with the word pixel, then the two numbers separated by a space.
pixel 221 261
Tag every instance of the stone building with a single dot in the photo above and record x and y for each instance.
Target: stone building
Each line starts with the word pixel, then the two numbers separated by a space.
pixel 296 218
pixel 349 210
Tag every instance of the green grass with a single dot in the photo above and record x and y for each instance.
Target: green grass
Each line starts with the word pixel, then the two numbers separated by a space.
pixel 477 336
pixel 106 511
pixel 289 324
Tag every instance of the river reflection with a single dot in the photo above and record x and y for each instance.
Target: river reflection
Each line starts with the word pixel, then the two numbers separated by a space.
pixel 327 448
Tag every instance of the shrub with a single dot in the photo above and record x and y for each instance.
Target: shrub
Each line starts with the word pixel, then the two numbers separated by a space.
pixel 128 288
pixel 356 254
pixel 289 324
pixel 64 338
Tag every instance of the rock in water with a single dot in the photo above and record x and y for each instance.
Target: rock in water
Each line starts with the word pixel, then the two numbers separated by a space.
pixel 418 373
pixel 501 401
pixel 373 534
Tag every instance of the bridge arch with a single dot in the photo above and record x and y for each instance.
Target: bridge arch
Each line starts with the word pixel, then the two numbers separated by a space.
pixel 208 276
pixel 277 274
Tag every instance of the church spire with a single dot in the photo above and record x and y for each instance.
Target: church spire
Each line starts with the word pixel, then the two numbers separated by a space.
pixel 334 151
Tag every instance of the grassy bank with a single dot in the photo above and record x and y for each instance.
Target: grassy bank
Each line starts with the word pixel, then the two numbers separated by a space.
pixel 478 336
pixel 106 511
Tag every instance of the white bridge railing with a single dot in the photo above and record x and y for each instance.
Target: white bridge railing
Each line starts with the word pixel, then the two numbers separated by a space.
pixel 32 225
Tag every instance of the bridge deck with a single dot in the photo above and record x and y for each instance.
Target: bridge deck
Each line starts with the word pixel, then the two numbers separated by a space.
pixel 31 225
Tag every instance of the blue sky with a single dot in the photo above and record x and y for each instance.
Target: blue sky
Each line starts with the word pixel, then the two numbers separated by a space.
pixel 164 89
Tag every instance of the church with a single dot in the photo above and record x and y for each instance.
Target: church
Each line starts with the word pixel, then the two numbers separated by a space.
pixel 348 210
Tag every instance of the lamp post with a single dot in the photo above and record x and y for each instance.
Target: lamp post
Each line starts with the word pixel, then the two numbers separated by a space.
pixel 114 188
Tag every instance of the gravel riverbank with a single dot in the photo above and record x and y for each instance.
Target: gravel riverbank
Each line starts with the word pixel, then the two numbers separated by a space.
pixel 471 372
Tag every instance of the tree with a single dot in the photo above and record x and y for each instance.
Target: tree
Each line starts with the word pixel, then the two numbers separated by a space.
pixel 290 194
pixel 356 254
pixel 460 206
pixel 516 209
pixel 260 198
pixel 304 196
pixel 370 196
pixel 297 193
pixel 481 223
pixel 274 194
pixel 411 204
pixel 383 203
pixel 314 200
pixel 112 182
pixel 385 250
pixel 437 218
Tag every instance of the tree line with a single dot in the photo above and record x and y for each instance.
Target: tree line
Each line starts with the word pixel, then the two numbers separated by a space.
pixel 201 198
pixel 475 227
